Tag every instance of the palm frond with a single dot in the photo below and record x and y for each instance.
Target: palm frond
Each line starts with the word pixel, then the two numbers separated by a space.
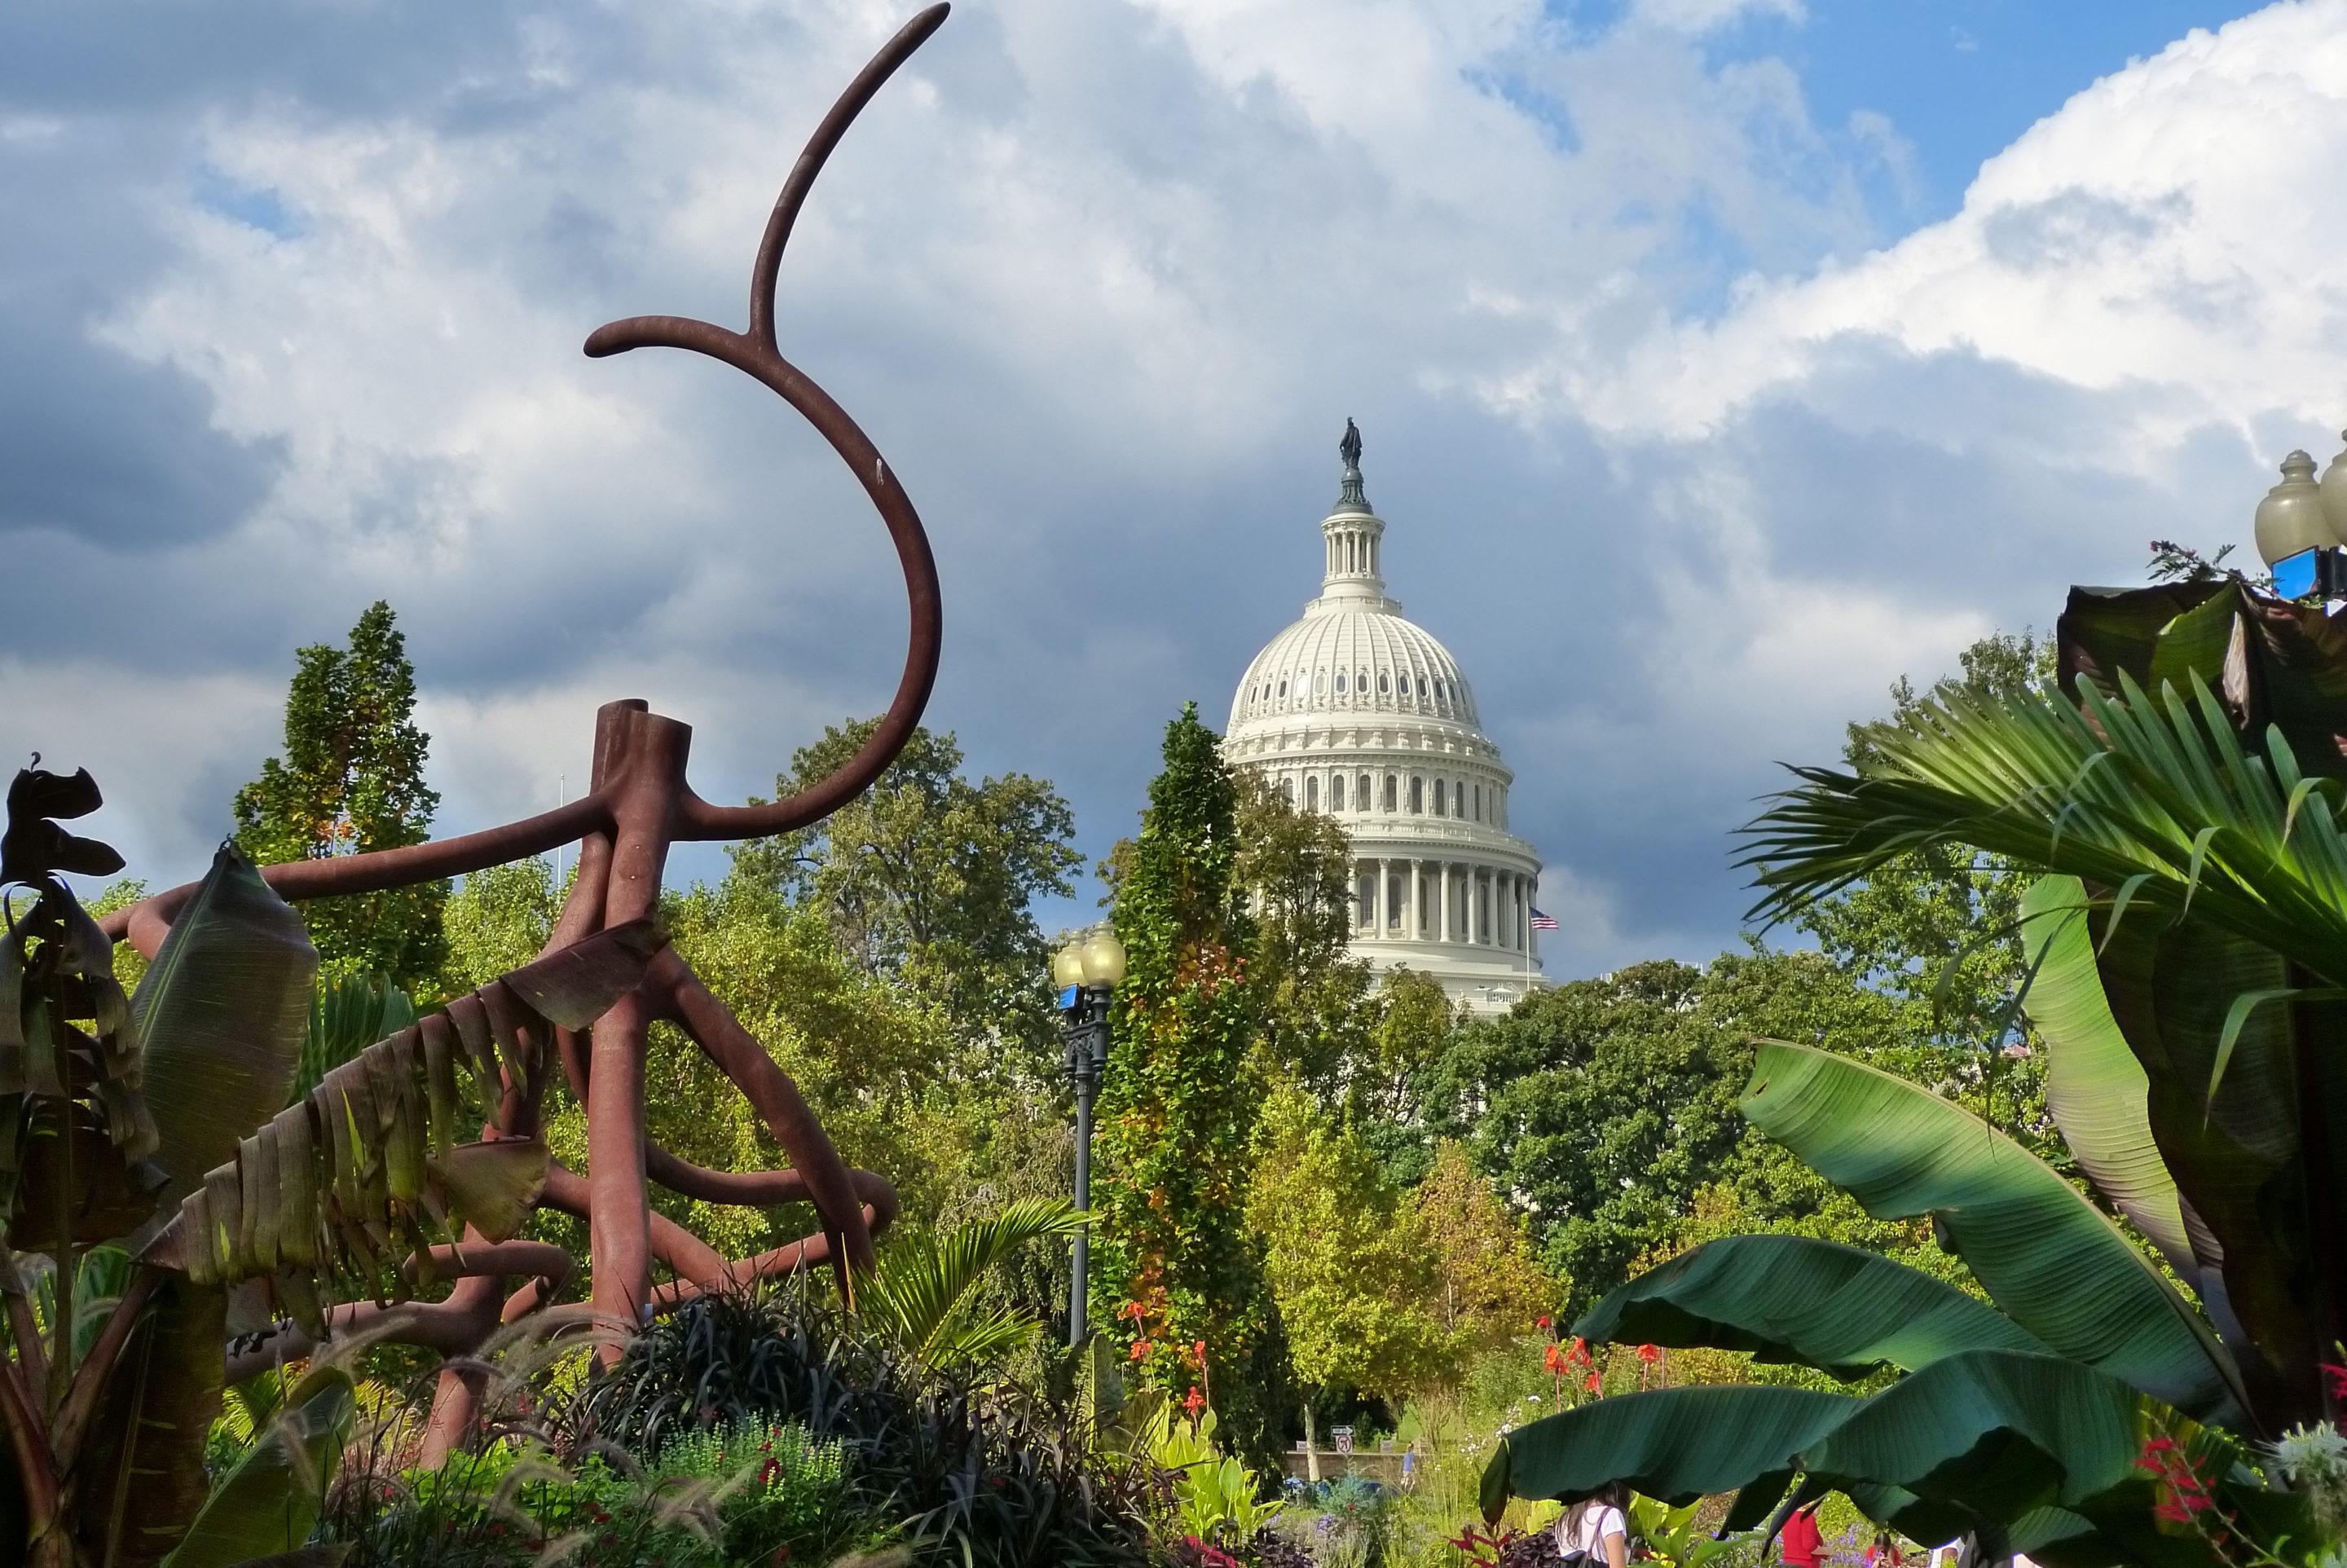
pixel 923 1292
pixel 2153 796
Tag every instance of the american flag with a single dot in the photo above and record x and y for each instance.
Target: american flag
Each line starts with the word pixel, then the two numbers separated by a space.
pixel 1544 922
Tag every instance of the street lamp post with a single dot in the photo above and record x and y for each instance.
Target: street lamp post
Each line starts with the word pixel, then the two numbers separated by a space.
pixel 2301 525
pixel 1087 969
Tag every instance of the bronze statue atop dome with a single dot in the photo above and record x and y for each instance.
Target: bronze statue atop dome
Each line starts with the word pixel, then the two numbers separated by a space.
pixel 1350 449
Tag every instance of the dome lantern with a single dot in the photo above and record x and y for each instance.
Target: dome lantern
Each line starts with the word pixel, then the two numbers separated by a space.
pixel 1353 532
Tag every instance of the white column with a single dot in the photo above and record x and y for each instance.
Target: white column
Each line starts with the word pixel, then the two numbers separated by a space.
pixel 1416 933
pixel 1525 915
pixel 1474 907
pixel 1442 895
pixel 1380 929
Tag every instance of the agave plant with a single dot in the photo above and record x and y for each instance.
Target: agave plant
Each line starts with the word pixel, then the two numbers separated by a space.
pixel 147 1140
pixel 2187 966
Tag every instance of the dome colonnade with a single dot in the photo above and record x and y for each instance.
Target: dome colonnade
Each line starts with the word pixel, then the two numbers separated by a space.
pixel 1355 712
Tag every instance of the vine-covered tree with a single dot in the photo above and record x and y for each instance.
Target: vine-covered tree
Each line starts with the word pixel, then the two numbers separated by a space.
pixel 351 778
pixel 1175 1261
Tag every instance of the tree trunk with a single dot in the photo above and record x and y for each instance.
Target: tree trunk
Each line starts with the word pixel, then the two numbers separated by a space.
pixel 1311 1446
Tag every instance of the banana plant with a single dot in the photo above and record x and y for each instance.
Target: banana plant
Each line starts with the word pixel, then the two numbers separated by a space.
pixel 2187 962
pixel 146 1142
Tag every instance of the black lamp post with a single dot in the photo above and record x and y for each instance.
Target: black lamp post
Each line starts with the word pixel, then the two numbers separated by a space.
pixel 1087 968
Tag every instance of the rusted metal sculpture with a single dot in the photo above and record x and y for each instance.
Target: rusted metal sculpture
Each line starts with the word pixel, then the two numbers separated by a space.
pixel 639 803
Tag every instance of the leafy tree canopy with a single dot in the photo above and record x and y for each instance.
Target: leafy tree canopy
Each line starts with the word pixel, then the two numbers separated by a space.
pixel 931 877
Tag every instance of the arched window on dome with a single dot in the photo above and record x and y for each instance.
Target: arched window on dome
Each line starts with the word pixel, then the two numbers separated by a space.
pixel 1337 793
pixel 1287 788
pixel 1405 685
pixel 1340 683
pixel 1283 687
pixel 1479 803
pixel 1312 792
pixel 1417 795
pixel 1362 683
pixel 1439 795
pixel 1457 799
pixel 1361 797
pixel 1320 683
pixel 1383 682
pixel 1393 791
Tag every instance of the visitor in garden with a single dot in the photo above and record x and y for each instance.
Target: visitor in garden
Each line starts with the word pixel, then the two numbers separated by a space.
pixel 1799 1543
pixel 1593 1531
pixel 1884 1552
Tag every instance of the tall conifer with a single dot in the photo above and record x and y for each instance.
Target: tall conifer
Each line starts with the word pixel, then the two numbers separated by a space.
pixel 351 778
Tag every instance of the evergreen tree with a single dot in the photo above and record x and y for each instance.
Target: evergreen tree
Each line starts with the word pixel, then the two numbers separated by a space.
pixel 352 779
pixel 1176 1266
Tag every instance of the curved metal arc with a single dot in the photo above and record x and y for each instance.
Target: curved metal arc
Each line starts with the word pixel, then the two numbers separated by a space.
pixel 755 354
pixel 812 157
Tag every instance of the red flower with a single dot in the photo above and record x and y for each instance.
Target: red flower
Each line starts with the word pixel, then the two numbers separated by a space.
pixel 1650 1354
pixel 1140 1348
pixel 1579 1352
pixel 1199 1351
pixel 1541 1323
pixel 1195 1402
pixel 2338 1381
pixel 1551 1360
pixel 1132 1310
pixel 1590 1382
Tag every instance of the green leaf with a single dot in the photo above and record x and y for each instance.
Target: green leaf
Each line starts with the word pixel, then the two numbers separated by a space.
pixel 221 1013
pixel 1676 1444
pixel 2046 1256
pixel 269 1502
pixel 356 1167
pixel 922 1294
pixel 494 1184
pixel 347 1015
pixel 2095 1088
pixel 141 1477
pixel 1793 1298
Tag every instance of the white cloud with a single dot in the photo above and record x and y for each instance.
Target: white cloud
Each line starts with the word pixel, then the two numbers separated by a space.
pixel 1705 16
pixel 1104 280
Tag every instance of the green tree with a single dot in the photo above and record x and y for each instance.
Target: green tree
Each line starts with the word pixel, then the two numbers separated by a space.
pixel 1938 928
pixel 1489 1289
pixel 499 919
pixel 1609 1103
pixel 1179 1103
pixel 352 779
pixel 932 879
pixel 1355 1289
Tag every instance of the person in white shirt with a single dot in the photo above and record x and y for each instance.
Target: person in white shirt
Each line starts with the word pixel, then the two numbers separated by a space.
pixel 1593 1531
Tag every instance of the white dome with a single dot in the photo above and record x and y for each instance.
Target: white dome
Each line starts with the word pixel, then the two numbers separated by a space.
pixel 1344 659
pixel 1355 712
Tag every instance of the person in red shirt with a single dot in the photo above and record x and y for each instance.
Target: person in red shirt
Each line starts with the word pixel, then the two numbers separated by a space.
pixel 1800 1543
pixel 1884 1552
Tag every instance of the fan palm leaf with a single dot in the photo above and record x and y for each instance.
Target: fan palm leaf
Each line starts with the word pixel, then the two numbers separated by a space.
pixel 924 1294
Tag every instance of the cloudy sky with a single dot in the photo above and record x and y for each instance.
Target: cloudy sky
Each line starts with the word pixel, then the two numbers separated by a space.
pixel 1719 361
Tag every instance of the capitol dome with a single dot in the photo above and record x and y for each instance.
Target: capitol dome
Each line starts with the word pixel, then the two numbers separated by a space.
pixel 1356 711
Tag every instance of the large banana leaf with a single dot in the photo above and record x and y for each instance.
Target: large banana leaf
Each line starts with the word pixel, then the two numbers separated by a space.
pixel 1793 1298
pixel 139 1477
pixel 369 1169
pixel 1676 1444
pixel 2273 663
pixel 2054 1263
pixel 220 1015
pixel 268 1501
pixel 2010 1435
pixel 2235 1151
pixel 2095 1087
